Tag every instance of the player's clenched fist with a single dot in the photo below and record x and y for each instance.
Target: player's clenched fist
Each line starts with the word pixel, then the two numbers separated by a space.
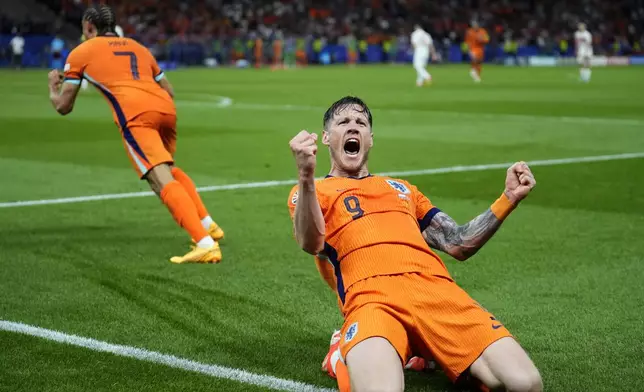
pixel 55 78
pixel 519 182
pixel 304 147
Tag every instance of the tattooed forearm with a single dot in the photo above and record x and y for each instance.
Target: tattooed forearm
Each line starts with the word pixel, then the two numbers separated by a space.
pixel 461 242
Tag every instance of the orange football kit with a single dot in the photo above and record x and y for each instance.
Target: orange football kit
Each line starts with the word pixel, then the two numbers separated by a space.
pixel 476 39
pixel 389 282
pixel 126 73
pixel 128 76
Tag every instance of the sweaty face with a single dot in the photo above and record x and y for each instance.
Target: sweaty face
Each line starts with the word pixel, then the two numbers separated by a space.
pixel 348 135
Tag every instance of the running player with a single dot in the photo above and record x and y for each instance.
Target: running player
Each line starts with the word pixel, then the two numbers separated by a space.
pixel 141 98
pixel 584 51
pixel 476 38
pixel 397 296
pixel 423 48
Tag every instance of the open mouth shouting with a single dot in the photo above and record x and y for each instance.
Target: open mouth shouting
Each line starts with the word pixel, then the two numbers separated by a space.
pixel 352 146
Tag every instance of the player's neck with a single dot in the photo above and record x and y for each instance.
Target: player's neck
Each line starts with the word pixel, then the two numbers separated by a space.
pixel 339 172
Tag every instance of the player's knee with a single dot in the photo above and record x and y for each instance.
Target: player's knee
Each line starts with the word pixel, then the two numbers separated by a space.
pixel 481 371
pixel 374 365
pixel 376 378
pixel 158 177
pixel 377 384
pixel 528 380
pixel 491 382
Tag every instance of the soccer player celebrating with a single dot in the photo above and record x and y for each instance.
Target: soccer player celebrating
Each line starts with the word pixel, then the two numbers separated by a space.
pixel 397 296
pixel 476 38
pixel 423 47
pixel 584 49
pixel 141 98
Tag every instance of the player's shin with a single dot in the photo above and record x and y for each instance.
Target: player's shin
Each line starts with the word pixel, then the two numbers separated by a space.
pixel 474 73
pixel 184 212
pixel 584 74
pixel 191 189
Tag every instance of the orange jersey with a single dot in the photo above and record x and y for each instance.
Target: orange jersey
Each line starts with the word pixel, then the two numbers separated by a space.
pixel 373 227
pixel 125 72
pixel 476 39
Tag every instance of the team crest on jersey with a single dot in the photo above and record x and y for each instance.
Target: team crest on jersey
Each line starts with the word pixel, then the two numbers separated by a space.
pixel 351 332
pixel 399 186
pixel 294 198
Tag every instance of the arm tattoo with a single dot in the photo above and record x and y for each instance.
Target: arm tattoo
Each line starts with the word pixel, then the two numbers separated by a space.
pixel 461 242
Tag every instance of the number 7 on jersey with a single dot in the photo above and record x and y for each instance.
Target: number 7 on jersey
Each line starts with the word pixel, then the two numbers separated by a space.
pixel 134 64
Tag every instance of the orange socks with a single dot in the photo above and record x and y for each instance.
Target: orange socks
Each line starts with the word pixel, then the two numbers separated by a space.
pixel 342 375
pixel 182 208
pixel 191 190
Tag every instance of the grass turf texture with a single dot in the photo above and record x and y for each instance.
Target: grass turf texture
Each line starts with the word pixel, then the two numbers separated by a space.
pixel 564 273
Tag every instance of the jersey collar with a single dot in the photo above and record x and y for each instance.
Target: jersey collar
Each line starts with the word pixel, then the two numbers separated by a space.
pixel 351 177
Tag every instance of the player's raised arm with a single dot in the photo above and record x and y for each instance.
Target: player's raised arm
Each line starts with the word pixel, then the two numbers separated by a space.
pixel 62 94
pixel 308 218
pixel 463 241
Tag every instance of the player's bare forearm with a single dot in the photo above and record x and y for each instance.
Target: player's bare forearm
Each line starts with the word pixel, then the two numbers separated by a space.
pixel 58 102
pixel 461 241
pixel 308 220
pixel 62 99
pixel 165 84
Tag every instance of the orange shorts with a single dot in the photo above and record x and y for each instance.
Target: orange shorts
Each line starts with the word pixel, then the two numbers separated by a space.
pixel 150 139
pixel 476 55
pixel 421 315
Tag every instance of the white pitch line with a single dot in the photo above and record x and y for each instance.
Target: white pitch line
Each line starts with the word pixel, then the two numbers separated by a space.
pixel 242 376
pixel 222 102
pixel 217 101
pixel 272 184
pixel 488 116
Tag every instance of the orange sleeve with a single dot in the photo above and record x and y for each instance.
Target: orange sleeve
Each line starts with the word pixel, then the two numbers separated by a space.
pixel 156 70
pixel 292 201
pixel 75 65
pixel 425 210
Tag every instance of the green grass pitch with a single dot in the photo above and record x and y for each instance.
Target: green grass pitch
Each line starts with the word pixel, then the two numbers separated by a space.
pixel 564 273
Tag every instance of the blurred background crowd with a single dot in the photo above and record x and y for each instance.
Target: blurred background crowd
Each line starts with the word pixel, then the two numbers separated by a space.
pixel 263 32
